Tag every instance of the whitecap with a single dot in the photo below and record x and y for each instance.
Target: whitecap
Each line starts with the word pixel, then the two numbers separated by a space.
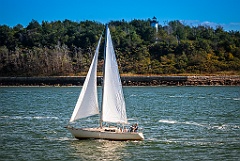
pixel 60 138
pixel 43 117
pixel 28 117
pixel 177 122
pixel 4 116
pixel 236 99
pixel 235 127
pixel 176 96
pixel 221 127
pixel 193 123
pixel 168 121
pixel 131 119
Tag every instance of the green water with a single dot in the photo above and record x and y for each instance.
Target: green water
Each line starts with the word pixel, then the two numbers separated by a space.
pixel 179 123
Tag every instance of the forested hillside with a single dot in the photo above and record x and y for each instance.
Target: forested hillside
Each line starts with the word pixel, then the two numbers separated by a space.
pixel 67 47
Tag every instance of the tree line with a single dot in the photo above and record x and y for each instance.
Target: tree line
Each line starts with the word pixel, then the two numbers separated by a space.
pixel 67 47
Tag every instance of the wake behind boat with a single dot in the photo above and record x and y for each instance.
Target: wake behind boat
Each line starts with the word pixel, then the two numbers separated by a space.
pixel 113 102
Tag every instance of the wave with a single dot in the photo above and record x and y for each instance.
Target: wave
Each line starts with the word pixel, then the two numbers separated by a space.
pixel 177 122
pixel 208 126
pixel 194 123
pixel 133 95
pixel 29 117
pixel 47 117
pixel 219 127
pixel 132 119
pixel 224 127
pixel 168 121
pixel 176 96
pixel 201 97
pixel 191 142
pixel 59 138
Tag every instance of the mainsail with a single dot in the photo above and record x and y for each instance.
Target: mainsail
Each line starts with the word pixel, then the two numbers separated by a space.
pixel 87 104
pixel 113 105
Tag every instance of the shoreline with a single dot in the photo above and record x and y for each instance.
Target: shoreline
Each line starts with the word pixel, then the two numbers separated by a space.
pixel 231 80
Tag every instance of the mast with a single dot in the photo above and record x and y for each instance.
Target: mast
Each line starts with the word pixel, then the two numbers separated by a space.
pixel 105 46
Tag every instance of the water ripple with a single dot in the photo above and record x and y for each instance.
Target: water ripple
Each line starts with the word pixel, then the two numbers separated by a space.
pixel 179 123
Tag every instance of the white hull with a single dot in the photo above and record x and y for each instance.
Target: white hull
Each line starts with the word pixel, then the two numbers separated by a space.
pixel 104 133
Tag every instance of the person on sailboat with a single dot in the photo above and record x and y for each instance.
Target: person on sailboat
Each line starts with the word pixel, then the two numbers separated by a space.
pixel 133 128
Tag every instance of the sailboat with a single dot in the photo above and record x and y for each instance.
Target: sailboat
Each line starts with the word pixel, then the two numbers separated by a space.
pixel 113 103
